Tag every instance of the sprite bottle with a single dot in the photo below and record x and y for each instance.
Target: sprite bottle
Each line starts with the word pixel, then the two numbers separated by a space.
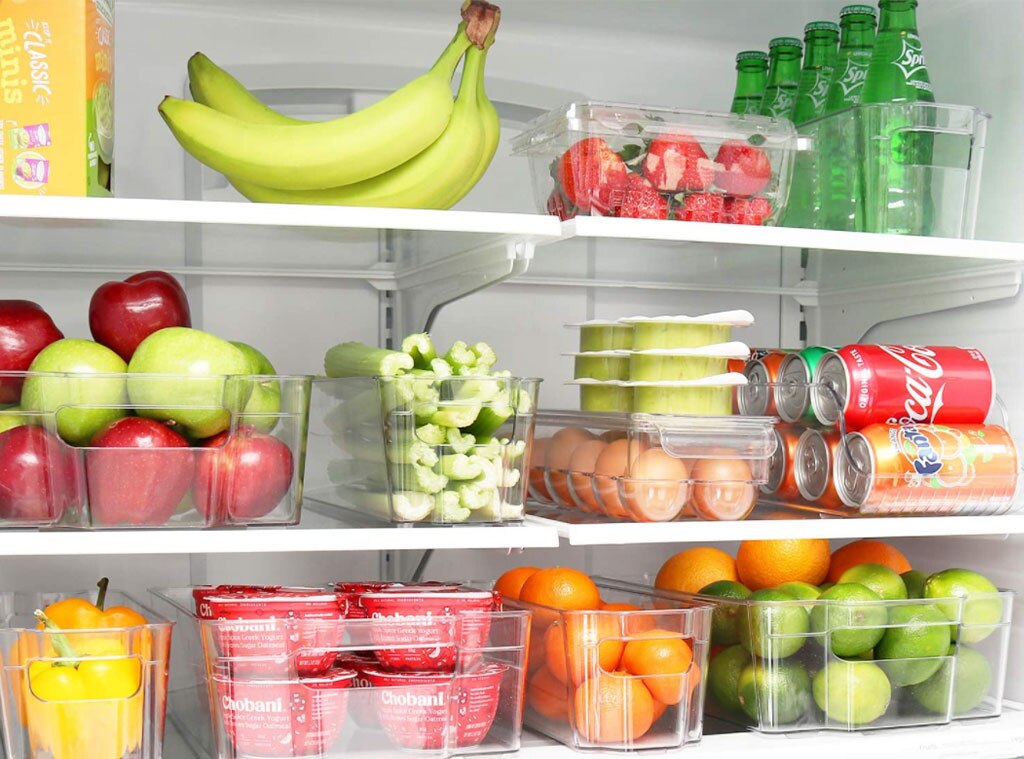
pixel 783 77
pixel 842 195
pixel 820 40
pixel 898 147
pixel 751 76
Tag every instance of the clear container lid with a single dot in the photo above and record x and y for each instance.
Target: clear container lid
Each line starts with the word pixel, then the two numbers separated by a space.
pixel 730 379
pixel 737 318
pixel 597 323
pixel 718 350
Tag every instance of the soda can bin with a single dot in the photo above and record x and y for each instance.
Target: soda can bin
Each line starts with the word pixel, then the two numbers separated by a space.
pixel 125 722
pixel 71 475
pixel 235 703
pixel 801 665
pixel 572 658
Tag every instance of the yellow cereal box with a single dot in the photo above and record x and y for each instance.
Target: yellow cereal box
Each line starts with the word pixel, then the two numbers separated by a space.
pixel 56 97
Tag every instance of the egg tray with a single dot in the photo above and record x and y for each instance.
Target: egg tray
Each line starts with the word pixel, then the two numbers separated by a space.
pixel 648 467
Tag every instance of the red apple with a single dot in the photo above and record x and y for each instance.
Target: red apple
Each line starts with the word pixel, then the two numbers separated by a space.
pixel 140 475
pixel 39 476
pixel 25 329
pixel 123 314
pixel 242 477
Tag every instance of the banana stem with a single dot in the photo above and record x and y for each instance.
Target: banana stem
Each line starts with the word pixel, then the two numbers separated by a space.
pixel 481 19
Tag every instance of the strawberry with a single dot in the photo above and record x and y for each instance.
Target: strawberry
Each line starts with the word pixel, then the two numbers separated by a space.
pixel 677 162
pixel 559 206
pixel 702 206
pixel 747 211
pixel 592 176
pixel 743 169
pixel 641 201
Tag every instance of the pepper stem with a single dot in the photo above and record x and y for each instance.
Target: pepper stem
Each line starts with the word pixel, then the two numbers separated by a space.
pixel 101 598
pixel 68 656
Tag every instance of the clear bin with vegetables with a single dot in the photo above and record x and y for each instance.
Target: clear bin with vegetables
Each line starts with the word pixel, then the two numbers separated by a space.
pixel 650 468
pixel 416 437
pixel 635 161
pixel 91 683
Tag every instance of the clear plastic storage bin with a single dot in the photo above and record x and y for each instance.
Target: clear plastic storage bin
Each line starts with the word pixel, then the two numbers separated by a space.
pixel 116 711
pixel 606 159
pixel 650 468
pixel 281 688
pixel 579 690
pixel 796 665
pixel 141 450
pixel 422 450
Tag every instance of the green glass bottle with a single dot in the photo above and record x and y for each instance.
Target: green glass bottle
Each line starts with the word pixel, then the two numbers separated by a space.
pixel 896 142
pixel 820 41
pixel 841 198
pixel 783 77
pixel 751 77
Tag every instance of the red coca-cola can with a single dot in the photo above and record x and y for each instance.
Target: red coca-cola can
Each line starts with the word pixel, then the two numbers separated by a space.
pixel 866 384
pixel 781 484
pixel 285 718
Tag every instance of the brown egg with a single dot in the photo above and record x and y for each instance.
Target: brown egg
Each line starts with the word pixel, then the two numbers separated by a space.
pixel 581 469
pixel 557 456
pixel 722 489
pixel 612 435
pixel 610 466
pixel 657 487
pixel 539 488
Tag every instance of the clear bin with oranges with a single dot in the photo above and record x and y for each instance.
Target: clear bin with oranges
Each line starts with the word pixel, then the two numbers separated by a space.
pixel 626 677
pixel 650 467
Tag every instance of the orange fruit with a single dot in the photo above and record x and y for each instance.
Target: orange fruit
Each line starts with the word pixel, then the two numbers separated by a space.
pixel 767 563
pixel 659 709
pixel 594 643
pixel 654 655
pixel 692 569
pixel 511 583
pixel 548 697
pixel 559 588
pixel 618 607
pixel 634 622
pixel 866 552
pixel 613 708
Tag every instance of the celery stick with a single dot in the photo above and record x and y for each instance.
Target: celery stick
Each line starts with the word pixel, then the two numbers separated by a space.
pixel 514 450
pixel 421 349
pixel 431 434
pixel 483 390
pixel 417 477
pixel 491 417
pixel 459 442
pixel 473 495
pixel 450 509
pixel 489 448
pixel 441 368
pixel 456 415
pixel 459 466
pixel 425 413
pixel 407 450
pixel 485 356
pixel 460 355
pixel 359 360
pixel 405 506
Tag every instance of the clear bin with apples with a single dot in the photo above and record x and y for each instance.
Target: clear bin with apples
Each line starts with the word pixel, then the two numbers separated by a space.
pixel 646 162
pixel 132 450
pixel 331 680
pixel 111 705
pixel 419 449
pixel 650 467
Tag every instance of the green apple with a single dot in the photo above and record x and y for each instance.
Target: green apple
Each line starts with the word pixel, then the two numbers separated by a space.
pixel 10 417
pixel 265 402
pixel 83 403
pixel 203 394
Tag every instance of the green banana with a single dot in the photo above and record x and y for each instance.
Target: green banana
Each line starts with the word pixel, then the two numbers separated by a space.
pixel 216 88
pixel 326 154
pixel 430 180
pixel 491 124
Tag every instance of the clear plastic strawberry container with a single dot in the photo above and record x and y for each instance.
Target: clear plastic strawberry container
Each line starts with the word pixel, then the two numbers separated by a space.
pixel 634 161
pixel 649 467
pixel 580 689
pixel 124 451
pixel 422 450
pixel 231 704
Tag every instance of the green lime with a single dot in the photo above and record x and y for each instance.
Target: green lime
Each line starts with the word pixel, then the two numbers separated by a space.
pixel 776 693
pixel 724 676
pixel 852 693
pixel 971 683
pixel 775 630
pixel 914 580
pixel 826 586
pixel 802 591
pixel 726 616
pixel 982 609
pixel 915 632
pixel 853 618
pixel 879 578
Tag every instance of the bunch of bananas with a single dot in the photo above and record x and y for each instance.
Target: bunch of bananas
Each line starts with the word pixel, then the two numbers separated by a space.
pixel 416 148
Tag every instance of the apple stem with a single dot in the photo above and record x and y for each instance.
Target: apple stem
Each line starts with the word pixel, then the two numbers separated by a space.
pixel 101 598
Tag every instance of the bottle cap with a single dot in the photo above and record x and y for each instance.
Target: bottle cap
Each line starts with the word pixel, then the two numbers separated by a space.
pixel 751 55
pixel 822 26
pixel 850 10
pixel 787 41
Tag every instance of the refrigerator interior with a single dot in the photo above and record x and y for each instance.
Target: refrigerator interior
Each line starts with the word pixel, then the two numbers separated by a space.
pixel 286 290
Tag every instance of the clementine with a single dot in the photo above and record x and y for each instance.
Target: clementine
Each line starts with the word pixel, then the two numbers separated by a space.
pixel 613 708
pixel 511 583
pixel 692 569
pixel 866 552
pixel 589 643
pixel 559 588
pixel 768 563
pixel 662 658
pixel 548 697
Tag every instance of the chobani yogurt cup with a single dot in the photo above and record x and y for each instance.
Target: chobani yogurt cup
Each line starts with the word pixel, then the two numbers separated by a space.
pixel 352 592
pixel 424 631
pixel 362 704
pixel 421 710
pixel 284 718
